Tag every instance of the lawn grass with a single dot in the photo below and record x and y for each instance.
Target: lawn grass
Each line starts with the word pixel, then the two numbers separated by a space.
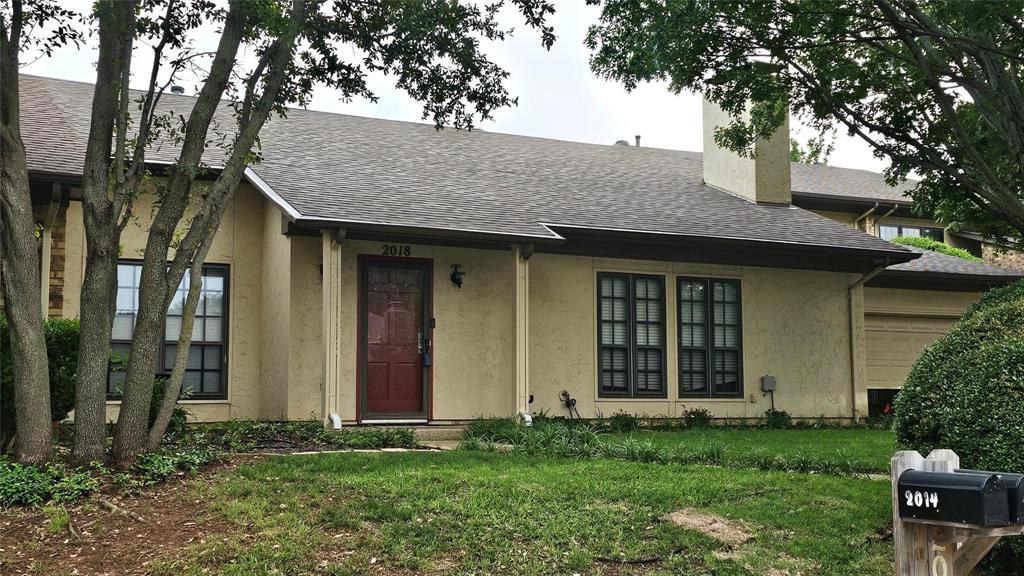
pixel 500 513
pixel 872 448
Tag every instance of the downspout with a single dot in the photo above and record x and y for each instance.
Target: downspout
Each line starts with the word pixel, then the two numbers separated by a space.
pixel 856 223
pixel 886 215
pixel 853 335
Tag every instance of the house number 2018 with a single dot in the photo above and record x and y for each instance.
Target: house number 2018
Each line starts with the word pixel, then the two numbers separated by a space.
pixel 397 250
pixel 917 499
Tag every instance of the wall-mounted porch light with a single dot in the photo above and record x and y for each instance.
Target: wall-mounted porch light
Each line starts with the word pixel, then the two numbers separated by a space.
pixel 457 275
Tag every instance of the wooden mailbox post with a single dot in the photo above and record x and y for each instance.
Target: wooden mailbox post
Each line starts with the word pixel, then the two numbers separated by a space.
pixel 933 547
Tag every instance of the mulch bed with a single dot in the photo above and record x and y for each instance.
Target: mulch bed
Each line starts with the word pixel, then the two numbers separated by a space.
pixel 122 539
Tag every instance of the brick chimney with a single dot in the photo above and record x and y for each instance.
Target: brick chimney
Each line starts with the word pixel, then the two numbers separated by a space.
pixel 764 179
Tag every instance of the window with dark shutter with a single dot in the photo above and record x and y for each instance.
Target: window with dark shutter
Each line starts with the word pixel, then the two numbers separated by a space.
pixel 710 338
pixel 631 335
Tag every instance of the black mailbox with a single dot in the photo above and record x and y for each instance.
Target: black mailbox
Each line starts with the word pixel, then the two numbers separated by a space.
pixel 961 498
pixel 1014 492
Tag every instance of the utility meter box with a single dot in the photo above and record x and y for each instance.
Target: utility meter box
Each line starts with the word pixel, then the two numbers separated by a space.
pixel 956 497
pixel 1014 492
pixel 767 383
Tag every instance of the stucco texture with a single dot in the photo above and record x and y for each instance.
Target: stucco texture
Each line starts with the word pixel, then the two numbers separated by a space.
pixel 473 340
pixel 795 327
pixel 239 243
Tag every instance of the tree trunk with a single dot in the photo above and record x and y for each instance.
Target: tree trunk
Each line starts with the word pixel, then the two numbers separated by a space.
pixel 172 388
pixel 20 253
pixel 156 282
pixel 99 286
pixel 132 430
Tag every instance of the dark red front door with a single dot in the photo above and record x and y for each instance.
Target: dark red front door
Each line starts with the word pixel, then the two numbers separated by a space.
pixel 395 339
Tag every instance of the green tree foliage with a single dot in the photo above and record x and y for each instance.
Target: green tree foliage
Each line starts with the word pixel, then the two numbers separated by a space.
pixel 269 55
pixel 933 85
pixel 815 151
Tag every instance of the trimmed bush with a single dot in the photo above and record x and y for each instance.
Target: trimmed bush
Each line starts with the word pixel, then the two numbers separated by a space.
pixel 966 391
pixel 246 435
pixel 62 351
pixel 935 246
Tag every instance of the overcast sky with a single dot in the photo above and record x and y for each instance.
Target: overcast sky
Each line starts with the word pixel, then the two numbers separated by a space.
pixel 558 95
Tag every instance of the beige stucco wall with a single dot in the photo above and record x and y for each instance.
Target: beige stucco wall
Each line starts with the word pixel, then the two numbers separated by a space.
pixel 473 338
pixel 276 316
pixel 764 178
pixel 937 303
pixel 795 327
pixel 305 348
pixel 847 218
pixel 239 243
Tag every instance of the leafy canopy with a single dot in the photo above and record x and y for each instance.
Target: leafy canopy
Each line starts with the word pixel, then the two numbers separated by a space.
pixel 933 85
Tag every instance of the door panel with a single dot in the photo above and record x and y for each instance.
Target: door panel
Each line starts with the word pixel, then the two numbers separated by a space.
pixel 395 338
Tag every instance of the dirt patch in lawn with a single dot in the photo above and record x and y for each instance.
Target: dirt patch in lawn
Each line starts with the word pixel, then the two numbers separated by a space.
pixel 100 539
pixel 721 529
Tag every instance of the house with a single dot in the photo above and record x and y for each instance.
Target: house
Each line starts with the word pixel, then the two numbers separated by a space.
pixel 387 272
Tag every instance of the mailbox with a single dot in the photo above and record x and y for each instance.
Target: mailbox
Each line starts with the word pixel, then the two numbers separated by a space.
pixel 960 498
pixel 1014 492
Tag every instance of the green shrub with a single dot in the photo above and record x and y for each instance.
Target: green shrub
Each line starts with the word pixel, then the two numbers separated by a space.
pixel 155 467
pixel 935 246
pixel 966 391
pixel 623 422
pixel 247 435
pixel 777 419
pixel 71 485
pixel 697 418
pixel 62 351
pixel 179 417
pixel 23 485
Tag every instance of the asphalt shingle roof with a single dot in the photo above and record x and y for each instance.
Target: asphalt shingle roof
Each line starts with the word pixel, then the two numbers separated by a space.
pixel 937 263
pixel 847 183
pixel 361 170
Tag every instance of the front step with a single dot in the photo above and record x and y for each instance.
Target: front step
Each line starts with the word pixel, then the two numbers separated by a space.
pixel 441 432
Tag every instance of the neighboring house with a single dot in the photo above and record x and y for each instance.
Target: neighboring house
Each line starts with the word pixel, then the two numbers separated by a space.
pixel 387 272
pixel 862 200
pixel 897 328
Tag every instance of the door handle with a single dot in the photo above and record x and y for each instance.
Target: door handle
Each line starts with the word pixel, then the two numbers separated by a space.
pixel 419 342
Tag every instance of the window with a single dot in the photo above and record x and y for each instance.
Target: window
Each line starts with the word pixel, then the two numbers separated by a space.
pixel 631 335
pixel 710 338
pixel 890 231
pixel 205 371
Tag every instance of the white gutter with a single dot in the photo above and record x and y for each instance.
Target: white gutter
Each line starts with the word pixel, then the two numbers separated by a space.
pixel 260 184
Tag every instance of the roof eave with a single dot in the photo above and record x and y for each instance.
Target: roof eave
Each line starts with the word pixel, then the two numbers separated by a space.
pixel 931 280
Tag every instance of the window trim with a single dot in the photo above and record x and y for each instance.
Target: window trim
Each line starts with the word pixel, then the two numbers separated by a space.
pixel 709 326
pixel 632 347
pixel 164 371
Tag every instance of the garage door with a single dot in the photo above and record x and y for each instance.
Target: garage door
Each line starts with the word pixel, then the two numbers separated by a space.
pixel 895 342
